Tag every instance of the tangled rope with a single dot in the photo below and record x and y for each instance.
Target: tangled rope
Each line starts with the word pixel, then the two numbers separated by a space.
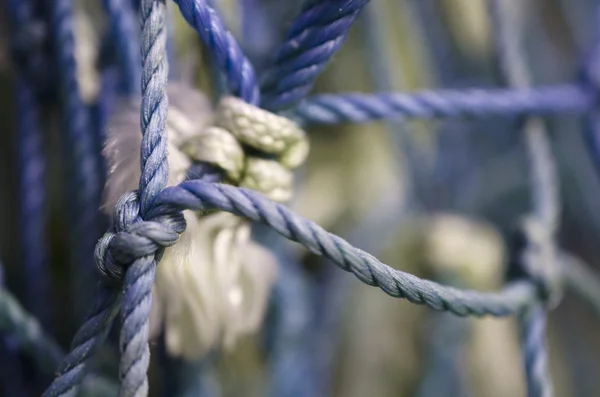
pixel 150 219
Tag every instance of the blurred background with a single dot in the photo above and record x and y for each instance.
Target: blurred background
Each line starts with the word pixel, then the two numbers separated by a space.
pixel 433 198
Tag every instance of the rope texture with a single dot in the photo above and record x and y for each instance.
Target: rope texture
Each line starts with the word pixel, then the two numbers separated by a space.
pixel 363 108
pixel 223 47
pixel 316 34
pixel 31 160
pixel 148 221
pixel 139 277
pixel 540 254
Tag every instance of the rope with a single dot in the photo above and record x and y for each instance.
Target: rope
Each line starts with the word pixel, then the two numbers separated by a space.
pixel 473 102
pixel 139 277
pixel 82 162
pixel 125 30
pixel 31 160
pixel 147 221
pixel 540 252
pixel 316 34
pixel 201 196
pixel 223 47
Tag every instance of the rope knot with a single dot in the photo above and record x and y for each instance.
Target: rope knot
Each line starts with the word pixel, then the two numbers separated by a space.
pixel 132 237
pixel 535 256
pixel 256 148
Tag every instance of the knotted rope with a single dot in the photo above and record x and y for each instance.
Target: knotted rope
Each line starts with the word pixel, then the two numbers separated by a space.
pixel 147 221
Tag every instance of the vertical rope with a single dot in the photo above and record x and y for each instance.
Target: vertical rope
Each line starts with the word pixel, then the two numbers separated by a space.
pixel 544 195
pixel 139 278
pixel 533 335
pixel 31 162
pixel 82 161
pixel 32 209
pixel 89 337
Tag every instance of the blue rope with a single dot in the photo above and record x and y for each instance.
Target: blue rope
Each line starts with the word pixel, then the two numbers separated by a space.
pixel 125 31
pixel 224 49
pixel 316 34
pixel 146 223
pixel 139 277
pixel 533 335
pixel 82 160
pixel 32 211
pixel 198 195
pixel 590 77
pixel 473 102
pixel 31 160
pixel 445 372
pixel 544 196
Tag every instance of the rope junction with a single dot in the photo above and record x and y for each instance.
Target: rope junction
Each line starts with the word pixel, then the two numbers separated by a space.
pixel 150 219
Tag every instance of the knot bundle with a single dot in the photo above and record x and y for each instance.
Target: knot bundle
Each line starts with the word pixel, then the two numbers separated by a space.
pixel 256 148
pixel 534 258
pixel 133 238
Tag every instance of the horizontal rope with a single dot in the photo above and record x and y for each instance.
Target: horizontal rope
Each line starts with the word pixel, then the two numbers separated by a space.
pixel 473 102
pixel 202 196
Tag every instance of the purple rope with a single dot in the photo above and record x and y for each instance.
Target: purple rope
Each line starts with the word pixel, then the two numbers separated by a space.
pixel 363 108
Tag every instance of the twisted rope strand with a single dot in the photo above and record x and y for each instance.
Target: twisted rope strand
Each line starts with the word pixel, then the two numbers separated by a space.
pixel 88 338
pixel 545 200
pixel 198 195
pixel 314 37
pixel 226 52
pixel 533 335
pixel 139 277
pixel 473 102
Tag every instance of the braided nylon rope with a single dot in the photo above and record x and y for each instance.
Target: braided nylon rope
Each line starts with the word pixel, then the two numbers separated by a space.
pixel 147 221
